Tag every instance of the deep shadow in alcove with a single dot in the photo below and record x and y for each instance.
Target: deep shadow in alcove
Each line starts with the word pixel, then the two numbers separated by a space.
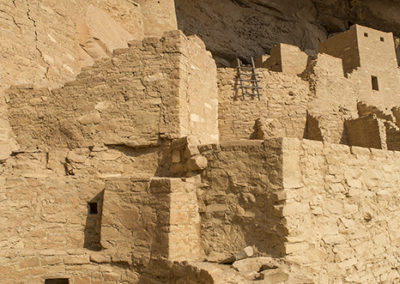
pixel 93 222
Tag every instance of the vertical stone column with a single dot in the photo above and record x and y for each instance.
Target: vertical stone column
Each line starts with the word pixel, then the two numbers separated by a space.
pixel 184 221
pixel 151 219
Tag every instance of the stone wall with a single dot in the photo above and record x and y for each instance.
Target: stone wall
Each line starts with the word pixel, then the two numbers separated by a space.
pixel 199 93
pixel 239 189
pixel 340 211
pixel 368 131
pixel 45 44
pixel 34 212
pixel 329 210
pixel 48 230
pixel 100 106
pixel 283 105
pixel 322 92
pixel 141 95
pixel 286 58
pixel 366 54
pixel 345 46
pixel 151 219
pixel 97 162
pixel 80 267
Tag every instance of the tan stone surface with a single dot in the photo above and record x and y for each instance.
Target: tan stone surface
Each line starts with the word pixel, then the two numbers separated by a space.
pixel 252 27
pixel 151 219
pixel 118 176
pixel 159 16
pixel 22 266
pixel 42 212
pixel 322 91
pixel 166 78
pixel 344 217
pixel 286 58
pixel 283 105
pixel 367 131
pixel 240 187
pixel 41 38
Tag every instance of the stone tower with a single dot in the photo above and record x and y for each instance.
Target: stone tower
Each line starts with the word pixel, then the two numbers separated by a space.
pixel 369 57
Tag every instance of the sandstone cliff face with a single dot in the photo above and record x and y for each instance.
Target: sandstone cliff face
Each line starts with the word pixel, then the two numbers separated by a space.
pixel 46 42
pixel 251 27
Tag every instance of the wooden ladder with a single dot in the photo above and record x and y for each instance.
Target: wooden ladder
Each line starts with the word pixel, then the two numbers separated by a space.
pixel 248 86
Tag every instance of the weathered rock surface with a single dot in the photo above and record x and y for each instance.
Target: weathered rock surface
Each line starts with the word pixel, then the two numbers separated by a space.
pixel 251 27
pixel 119 175
pixel 45 43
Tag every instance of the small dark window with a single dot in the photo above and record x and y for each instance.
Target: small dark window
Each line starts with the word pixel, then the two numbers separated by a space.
pixel 92 206
pixel 366 34
pixel 57 281
pixel 374 81
pixel 382 39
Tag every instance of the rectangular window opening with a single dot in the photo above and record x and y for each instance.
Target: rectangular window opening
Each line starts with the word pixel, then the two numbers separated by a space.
pixel 366 34
pixel 57 281
pixel 382 39
pixel 375 84
pixel 92 206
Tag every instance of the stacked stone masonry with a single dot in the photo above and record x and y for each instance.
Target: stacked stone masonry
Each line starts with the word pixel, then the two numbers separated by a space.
pixel 135 160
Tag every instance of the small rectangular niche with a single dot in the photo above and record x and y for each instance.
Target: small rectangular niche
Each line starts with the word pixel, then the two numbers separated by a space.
pixel 366 34
pixel 92 208
pixel 57 281
pixel 374 82
pixel 382 39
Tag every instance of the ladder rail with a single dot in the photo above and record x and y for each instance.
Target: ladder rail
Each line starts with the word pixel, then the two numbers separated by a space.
pixel 253 67
pixel 255 89
pixel 240 78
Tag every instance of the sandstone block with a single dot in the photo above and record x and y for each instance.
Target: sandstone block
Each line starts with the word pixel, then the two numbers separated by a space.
pixel 245 253
pixel 112 276
pixel 197 163
pixel 83 280
pixel 253 264
pixel 296 208
pixel 76 157
pixel 296 247
pixel 273 276
pixel 100 258
pixel 76 259
pixel 29 262
pixel 51 260
pixel 191 150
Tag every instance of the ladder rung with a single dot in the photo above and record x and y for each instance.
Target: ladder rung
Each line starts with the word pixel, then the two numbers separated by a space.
pixel 249 74
pixel 251 87
pixel 250 80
